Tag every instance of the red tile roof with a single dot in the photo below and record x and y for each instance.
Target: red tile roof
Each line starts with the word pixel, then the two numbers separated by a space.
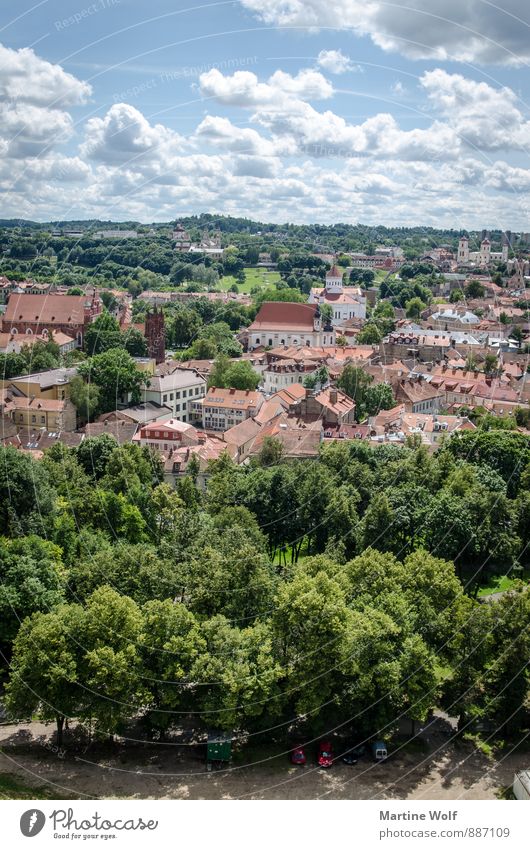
pixel 273 315
pixel 46 309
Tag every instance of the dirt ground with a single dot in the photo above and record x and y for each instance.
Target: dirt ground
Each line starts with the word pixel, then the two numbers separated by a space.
pixel 433 766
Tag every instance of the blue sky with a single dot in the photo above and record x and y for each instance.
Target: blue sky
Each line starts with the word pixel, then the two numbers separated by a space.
pixel 409 112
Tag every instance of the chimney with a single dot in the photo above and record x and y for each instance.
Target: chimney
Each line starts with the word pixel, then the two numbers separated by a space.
pixel 333 396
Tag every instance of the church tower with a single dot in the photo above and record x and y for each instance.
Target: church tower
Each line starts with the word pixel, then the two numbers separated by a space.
pixel 334 280
pixel 485 253
pixel 155 335
pixel 463 250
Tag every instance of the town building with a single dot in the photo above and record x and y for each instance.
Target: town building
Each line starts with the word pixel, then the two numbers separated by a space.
pixel 53 384
pixel 484 256
pixel 166 435
pixel 45 314
pixel 346 302
pixel 155 335
pixel 12 343
pixel 221 409
pixel 286 323
pixel 181 238
pixel 48 413
pixel 177 389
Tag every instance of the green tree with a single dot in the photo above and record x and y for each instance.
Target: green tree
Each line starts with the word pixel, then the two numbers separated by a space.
pixel 172 647
pixel 369 335
pixel 474 289
pixel 85 397
pixel 414 308
pixel 111 633
pixel 26 498
pixel 239 675
pixel 43 676
pixel 116 375
pixel 32 578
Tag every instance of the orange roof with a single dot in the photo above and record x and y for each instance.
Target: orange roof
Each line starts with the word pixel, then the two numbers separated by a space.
pixel 47 404
pixel 343 404
pixel 273 315
pixel 46 309
pixel 239 399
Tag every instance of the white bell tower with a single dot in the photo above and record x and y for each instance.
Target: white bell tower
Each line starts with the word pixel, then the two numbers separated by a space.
pixel 463 249
pixel 334 280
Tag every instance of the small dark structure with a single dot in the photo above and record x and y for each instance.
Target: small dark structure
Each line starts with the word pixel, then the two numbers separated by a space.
pixel 218 750
pixel 155 335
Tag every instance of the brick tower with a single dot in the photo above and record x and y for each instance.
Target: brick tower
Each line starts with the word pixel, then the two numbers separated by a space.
pixel 155 335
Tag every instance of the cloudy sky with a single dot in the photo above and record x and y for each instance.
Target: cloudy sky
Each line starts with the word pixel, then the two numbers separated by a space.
pixel 408 112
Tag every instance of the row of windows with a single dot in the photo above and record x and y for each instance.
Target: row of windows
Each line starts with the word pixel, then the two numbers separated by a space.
pixel 215 411
pixel 33 419
pixel 172 395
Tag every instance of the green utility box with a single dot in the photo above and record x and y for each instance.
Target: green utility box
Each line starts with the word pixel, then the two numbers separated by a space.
pixel 218 750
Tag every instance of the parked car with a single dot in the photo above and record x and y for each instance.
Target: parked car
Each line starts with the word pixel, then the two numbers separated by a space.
pixel 349 759
pixel 298 756
pixel 379 750
pixel 325 754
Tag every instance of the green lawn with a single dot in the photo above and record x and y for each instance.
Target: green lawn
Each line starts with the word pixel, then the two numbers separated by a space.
pixel 12 788
pixel 501 583
pixel 253 277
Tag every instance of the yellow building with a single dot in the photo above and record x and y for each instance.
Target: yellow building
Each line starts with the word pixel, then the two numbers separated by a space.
pixel 49 413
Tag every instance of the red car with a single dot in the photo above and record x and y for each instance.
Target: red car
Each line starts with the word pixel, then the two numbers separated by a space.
pixel 298 756
pixel 325 754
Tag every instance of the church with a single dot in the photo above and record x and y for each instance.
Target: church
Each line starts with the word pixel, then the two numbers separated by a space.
pixel 345 301
pixel 285 323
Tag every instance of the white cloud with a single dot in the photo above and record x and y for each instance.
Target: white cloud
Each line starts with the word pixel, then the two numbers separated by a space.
pixel 124 134
pixel 398 89
pixel 222 133
pixel 244 89
pixel 486 118
pixel 336 62
pixel 470 31
pixel 34 96
pixel 26 78
pixel 285 160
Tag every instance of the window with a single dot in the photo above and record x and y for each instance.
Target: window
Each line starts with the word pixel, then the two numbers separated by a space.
pixel 164 398
pixel 197 390
pixel 34 418
pixel 177 395
pixel 270 341
pixel 43 419
pixel 184 393
pixel 170 396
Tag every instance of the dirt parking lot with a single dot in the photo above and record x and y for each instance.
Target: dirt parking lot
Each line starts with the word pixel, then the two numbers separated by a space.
pixel 434 767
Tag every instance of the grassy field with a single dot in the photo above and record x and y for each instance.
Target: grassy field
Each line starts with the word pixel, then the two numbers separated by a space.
pixel 501 583
pixel 259 277
pixel 12 788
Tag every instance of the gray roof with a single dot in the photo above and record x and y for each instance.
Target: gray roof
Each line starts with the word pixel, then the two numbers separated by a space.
pixel 48 378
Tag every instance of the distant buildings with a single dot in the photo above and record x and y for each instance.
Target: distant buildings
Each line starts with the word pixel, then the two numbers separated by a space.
pixel 221 409
pixel 484 256
pixel 176 388
pixel 285 323
pixel 346 302
pixel 44 314
pixel 155 335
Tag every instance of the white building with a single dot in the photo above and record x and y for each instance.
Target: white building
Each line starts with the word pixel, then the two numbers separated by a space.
pixel 177 389
pixel 483 257
pixel 285 323
pixel 345 302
